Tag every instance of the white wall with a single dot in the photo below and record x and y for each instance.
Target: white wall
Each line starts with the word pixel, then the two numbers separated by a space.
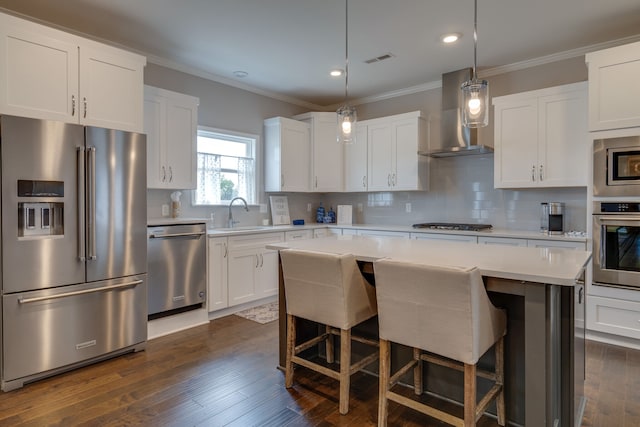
pixel 461 188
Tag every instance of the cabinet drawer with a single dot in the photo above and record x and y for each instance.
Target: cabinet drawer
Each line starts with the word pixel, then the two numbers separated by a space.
pixel 613 316
pixel 380 233
pixel 448 237
pixel 298 235
pixel 254 240
pixel 501 241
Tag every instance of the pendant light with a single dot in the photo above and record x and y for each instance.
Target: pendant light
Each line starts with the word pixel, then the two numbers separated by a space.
pixel 475 93
pixel 347 116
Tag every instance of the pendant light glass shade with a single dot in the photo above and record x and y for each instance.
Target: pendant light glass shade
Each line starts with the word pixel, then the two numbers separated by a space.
pixel 475 98
pixel 475 93
pixel 347 116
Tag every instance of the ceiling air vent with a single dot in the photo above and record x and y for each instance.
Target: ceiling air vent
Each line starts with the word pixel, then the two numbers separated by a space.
pixel 379 58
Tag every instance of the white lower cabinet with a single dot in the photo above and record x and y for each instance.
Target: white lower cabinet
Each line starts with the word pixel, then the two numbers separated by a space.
pixel 613 316
pixel 381 233
pixel 501 241
pixel 532 243
pixel 325 232
pixel 217 295
pixel 298 235
pixel 446 237
pixel 252 269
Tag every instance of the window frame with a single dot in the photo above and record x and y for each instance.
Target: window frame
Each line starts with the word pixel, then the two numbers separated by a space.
pixel 254 154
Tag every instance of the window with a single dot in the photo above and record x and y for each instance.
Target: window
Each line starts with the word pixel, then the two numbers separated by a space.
pixel 226 167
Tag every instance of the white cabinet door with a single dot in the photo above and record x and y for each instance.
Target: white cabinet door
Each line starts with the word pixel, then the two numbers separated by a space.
pixel 217 297
pixel 556 244
pixel 380 160
pixel 541 138
pixel 38 71
pixel 516 143
pixel 243 265
pixel 111 88
pixel 267 274
pixel 563 150
pixel 501 241
pixel 171 124
pixel 613 316
pixel 327 154
pixel 355 161
pixel 613 88
pixel 409 170
pixel 287 155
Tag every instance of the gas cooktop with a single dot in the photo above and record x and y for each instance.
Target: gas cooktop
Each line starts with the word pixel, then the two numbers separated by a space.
pixel 453 226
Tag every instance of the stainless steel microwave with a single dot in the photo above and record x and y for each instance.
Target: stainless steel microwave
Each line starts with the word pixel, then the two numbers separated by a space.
pixel 616 167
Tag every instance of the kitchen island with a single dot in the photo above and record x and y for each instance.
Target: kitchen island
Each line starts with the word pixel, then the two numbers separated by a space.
pixel 542 292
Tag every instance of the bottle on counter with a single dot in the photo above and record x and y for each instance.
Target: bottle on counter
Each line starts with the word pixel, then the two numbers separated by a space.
pixel 332 215
pixel 320 214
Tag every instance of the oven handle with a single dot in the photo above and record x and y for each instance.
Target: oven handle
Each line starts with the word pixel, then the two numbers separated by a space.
pixel 609 220
pixel 74 293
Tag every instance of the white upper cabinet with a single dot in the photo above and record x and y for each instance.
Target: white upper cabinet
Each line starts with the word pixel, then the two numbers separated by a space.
pixel 355 160
pixel 541 138
pixel 327 156
pixel 613 87
pixel 392 150
pixel 287 155
pixel 171 125
pixel 49 74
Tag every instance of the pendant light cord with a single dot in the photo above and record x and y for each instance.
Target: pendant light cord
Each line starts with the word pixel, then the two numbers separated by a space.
pixel 475 39
pixel 346 52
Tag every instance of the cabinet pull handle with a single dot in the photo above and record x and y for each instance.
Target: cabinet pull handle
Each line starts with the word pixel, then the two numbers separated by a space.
pixel 388 180
pixel 170 174
pixel 84 101
pixel 73 105
pixel 364 181
pixel 257 261
pixel 533 173
pixel 282 180
pixel 164 174
pixel 393 179
pixel 580 295
pixel 261 260
pixel 226 250
pixel 541 173
pixel 316 182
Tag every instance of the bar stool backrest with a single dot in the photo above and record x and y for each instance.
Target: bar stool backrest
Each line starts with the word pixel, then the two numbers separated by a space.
pixel 326 288
pixel 445 311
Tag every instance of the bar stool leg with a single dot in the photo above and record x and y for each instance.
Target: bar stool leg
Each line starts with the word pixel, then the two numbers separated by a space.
pixel 329 344
pixel 417 372
pixel 469 395
pixel 500 408
pixel 291 344
pixel 384 374
pixel 345 368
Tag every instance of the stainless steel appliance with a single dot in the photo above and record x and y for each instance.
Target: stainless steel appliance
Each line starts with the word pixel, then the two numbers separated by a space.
pixel 453 226
pixel 616 167
pixel 177 268
pixel 73 246
pixel 552 218
pixel 616 244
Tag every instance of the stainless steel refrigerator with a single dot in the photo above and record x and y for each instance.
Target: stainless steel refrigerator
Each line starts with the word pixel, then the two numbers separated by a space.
pixel 73 246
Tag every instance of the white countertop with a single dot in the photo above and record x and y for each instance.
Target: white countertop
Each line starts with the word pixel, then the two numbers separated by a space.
pixel 554 266
pixel 253 229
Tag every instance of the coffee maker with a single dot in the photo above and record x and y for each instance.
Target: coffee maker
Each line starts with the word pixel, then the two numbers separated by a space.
pixel 552 220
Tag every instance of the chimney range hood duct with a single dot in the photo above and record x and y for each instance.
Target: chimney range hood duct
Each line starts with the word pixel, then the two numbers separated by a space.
pixel 455 139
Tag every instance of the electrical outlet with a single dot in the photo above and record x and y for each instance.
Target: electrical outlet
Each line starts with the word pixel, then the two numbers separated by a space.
pixel 360 207
pixel 263 208
pixel 407 207
pixel 165 210
pixel 308 207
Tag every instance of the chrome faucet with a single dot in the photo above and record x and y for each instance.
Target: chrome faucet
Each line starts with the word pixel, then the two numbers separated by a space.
pixel 230 221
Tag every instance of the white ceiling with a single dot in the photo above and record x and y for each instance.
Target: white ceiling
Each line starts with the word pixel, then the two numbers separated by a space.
pixel 288 47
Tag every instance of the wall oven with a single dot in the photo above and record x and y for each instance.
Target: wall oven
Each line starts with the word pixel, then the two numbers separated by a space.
pixel 616 244
pixel 616 167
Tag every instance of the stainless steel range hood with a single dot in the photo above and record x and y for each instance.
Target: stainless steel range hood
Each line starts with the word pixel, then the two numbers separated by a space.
pixel 455 139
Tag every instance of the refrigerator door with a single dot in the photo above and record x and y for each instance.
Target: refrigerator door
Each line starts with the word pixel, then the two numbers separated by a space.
pixel 116 199
pixel 41 243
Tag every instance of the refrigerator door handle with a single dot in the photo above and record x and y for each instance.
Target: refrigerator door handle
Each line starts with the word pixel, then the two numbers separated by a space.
pixel 74 293
pixel 82 249
pixel 92 203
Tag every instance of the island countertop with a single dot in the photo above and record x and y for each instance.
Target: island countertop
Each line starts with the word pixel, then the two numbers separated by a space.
pixel 554 266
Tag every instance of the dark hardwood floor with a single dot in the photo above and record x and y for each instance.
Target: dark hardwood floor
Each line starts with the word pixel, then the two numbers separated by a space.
pixel 225 373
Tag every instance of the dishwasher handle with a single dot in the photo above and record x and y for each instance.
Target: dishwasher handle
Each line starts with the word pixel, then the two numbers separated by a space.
pixel 174 235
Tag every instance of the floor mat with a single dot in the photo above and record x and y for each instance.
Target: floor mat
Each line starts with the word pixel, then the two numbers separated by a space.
pixel 262 314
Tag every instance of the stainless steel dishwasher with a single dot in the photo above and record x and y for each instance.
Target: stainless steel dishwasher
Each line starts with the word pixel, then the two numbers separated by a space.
pixel 176 255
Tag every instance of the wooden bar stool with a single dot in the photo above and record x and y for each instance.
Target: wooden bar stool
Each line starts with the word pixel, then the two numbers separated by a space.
pixel 327 289
pixel 447 313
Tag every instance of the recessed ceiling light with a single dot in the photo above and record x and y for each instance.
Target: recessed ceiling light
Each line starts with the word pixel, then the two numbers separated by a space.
pixel 336 73
pixel 240 74
pixel 450 38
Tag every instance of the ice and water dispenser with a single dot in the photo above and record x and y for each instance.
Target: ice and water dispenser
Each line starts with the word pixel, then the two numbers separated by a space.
pixel 40 217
